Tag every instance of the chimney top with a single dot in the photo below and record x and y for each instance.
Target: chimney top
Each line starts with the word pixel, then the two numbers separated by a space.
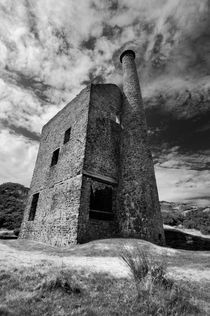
pixel 127 52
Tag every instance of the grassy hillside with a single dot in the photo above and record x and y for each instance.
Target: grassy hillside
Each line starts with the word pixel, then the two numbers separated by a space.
pixel 106 277
pixel 12 203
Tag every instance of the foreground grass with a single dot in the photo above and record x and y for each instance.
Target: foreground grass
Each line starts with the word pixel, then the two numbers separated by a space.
pixel 50 290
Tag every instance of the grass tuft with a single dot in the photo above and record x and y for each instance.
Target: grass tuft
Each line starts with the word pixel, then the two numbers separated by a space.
pixel 156 293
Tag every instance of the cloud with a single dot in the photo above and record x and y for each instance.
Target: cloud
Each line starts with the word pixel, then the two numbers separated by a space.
pixel 17 158
pixel 49 50
pixel 182 185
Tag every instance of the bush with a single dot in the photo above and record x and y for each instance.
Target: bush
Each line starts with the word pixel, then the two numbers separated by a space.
pixel 198 219
pixel 173 219
pixel 12 203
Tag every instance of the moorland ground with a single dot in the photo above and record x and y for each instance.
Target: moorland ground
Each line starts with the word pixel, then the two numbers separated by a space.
pixel 93 279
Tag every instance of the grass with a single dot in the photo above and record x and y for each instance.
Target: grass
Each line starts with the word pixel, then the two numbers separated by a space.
pixel 156 293
pixel 56 290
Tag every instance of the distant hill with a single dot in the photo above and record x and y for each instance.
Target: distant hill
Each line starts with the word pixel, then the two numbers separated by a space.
pixel 12 203
pixel 186 215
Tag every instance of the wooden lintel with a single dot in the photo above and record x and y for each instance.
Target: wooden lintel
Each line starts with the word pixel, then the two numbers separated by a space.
pixel 100 177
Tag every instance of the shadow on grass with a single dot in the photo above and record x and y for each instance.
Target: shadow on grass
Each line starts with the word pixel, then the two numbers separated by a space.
pixel 181 240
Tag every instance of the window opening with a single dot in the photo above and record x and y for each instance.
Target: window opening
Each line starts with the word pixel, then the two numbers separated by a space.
pixel 67 135
pixel 55 157
pixel 33 208
pixel 101 204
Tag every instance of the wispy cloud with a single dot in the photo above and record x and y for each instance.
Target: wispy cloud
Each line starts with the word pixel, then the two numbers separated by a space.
pixel 183 185
pixel 17 158
pixel 49 50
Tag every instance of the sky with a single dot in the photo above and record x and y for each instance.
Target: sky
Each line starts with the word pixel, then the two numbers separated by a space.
pixel 50 50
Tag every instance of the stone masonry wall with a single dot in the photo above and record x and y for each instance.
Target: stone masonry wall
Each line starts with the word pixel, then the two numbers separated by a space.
pixel 59 186
pixel 91 229
pixel 56 219
pixel 101 156
pixel 70 162
pixel 103 136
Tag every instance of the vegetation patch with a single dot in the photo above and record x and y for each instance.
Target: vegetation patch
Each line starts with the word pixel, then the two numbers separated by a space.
pixel 198 219
pixel 186 216
pixel 51 290
pixel 156 293
pixel 12 203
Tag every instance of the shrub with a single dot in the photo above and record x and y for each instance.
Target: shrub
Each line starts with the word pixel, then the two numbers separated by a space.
pixel 198 219
pixel 173 218
pixel 12 203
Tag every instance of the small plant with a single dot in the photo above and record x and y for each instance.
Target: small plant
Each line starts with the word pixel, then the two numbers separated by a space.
pixel 137 261
pixel 156 293
pixel 142 265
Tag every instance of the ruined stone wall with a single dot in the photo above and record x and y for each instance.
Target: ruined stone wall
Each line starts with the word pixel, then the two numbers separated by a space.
pixel 70 162
pixel 103 136
pixel 59 186
pixel 56 218
pixel 91 229
pixel 101 157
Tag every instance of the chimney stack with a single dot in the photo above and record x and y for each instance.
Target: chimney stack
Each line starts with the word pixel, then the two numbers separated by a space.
pixel 138 203
pixel 131 87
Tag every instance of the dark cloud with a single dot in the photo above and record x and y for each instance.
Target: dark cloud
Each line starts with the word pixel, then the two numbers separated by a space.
pixel 180 121
pixel 110 5
pixel 27 82
pixel 51 49
pixel 89 43
pixel 63 40
pixel 111 31
pixel 32 19
pixel 19 130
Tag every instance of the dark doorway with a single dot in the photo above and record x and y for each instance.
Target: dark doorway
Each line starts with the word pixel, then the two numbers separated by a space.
pixel 101 204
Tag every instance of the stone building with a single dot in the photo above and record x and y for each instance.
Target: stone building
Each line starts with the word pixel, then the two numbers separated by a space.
pixel 94 176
